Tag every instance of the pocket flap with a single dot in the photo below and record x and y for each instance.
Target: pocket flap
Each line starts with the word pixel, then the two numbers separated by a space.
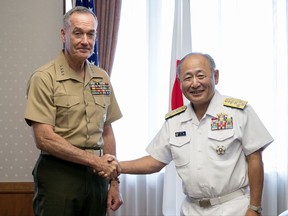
pixel 179 141
pixel 221 135
pixel 102 101
pixel 66 100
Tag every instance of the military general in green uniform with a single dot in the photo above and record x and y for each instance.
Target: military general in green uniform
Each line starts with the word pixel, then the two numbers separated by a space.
pixel 71 106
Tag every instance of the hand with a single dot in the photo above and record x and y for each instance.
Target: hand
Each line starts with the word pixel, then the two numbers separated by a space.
pixel 114 200
pixel 108 166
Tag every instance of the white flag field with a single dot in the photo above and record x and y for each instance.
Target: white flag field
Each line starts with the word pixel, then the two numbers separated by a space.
pixel 181 45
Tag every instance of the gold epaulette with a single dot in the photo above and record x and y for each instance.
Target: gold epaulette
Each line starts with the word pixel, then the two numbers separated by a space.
pixel 175 112
pixel 235 103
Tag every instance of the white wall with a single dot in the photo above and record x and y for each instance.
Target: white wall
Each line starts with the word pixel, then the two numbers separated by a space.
pixel 29 37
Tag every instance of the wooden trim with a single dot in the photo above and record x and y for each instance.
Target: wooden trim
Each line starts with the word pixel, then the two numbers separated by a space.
pixel 16 187
pixel 16 198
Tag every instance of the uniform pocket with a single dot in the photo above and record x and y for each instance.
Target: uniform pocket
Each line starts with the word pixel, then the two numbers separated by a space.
pixel 102 101
pixel 180 149
pixel 66 101
pixel 67 107
pixel 220 144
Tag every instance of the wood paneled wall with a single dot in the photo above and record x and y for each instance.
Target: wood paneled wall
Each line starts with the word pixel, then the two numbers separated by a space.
pixel 16 198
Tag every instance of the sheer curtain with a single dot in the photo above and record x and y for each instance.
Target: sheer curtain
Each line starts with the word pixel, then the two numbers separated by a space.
pixel 248 40
pixel 141 81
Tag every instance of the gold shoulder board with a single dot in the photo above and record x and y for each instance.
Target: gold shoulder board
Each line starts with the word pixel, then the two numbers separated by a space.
pixel 175 112
pixel 235 103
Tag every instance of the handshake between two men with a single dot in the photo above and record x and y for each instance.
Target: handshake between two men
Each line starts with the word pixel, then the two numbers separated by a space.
pixel 108 167
pixel 111 168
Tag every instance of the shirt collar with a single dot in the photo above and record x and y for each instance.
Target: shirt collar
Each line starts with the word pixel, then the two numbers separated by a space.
pixel 214 104
pixel 64 72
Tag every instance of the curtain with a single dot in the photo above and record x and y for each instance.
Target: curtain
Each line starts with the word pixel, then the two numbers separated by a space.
pixel 142 64
pixel 108 14
pixel 276 160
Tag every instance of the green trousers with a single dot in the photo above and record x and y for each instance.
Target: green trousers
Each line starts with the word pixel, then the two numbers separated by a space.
pixel 67 189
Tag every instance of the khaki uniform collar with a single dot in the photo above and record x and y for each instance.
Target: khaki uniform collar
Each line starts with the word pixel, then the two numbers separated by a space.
pixel 64 72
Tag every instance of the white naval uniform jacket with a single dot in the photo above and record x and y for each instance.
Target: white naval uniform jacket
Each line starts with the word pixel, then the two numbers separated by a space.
pixel 192 146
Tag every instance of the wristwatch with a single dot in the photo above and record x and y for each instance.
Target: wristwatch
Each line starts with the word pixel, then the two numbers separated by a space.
pixel 257 209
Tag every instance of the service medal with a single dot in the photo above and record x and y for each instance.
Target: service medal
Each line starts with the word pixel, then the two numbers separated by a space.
pixel 220 149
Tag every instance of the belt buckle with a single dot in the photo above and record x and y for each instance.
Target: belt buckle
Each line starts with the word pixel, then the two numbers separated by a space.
pixel 205 203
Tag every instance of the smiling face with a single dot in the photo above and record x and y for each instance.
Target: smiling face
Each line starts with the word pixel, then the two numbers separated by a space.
pixel 79 37
pixel 198 80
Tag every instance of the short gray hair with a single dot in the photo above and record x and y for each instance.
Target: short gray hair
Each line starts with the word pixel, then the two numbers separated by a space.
pixel 77 9
pixel 207 56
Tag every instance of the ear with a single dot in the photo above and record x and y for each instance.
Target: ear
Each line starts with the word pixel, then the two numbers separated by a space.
pixel 63 35
pixel 216 76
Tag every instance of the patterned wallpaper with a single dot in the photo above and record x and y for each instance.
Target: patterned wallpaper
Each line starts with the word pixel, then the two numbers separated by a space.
pixel 29 37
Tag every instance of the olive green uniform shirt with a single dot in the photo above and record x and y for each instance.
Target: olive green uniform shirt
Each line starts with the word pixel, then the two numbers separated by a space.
pixel 76 109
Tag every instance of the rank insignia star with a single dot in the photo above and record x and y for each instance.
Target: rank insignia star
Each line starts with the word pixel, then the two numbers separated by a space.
pixel 220 149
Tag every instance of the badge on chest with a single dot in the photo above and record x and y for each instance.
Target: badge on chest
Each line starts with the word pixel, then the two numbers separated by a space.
pixel 180 133
pixel 222 121
pixel 99 88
